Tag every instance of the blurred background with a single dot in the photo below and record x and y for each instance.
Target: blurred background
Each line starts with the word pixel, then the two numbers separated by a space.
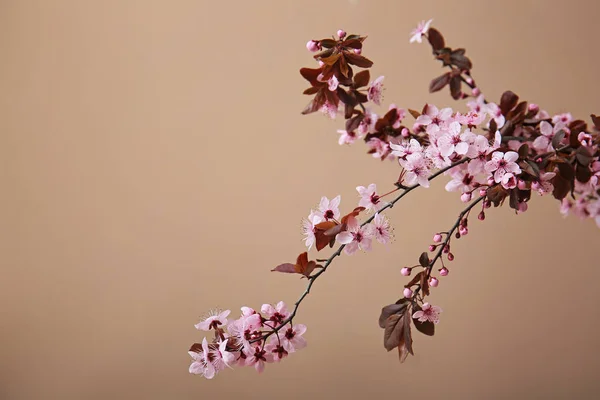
pixel 155 165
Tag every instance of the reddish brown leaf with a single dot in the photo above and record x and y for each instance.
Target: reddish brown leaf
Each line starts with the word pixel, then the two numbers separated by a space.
pixel 362 78
pixel 425 284
pixel 287 268
pixel 455 84
pixel 354 122
pixel 524 150
pixel 311 74
pixel 353 43
pixel 327 43
pixel 424 259
pixel 196 348
pixel 461 61
pixel 311 90
pixel 583 173
pixel 562 187
pixel 584 157
pixel 390 310
pixel 508 101
pixel 416 279
pixel 353 214
pixel 332 59
pixel 596 121
pixel 335 230
pixel 440 82
pixel 414 113
pixel 436 40
pixel 358 60
pixel 557 139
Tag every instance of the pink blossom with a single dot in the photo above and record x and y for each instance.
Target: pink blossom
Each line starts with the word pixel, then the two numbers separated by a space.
pixel 417 170
pixel 462 180
pixel 369 198
pixel 333 83
pixel 308 228
pixel 496 113
pixel 478 153
pixel 277 351
pixel 375 91
pixel 421 29
pixel 355 237
pixel 341 33
pixel 382 229
pixel 378 148
pixel 367 124
pixel 543 184
pixel 565 118
pixel 329 109
pixel 543 142
pixel 404 149
pixel 400 114
pixel 348 137
pixel 472 118
pixel 428 313
pixel 509 181
pixel 329 209
pixel 257 358
pixel 202 364
pixel 477 105
pixel 275 315
pixel 222 357
pixel 215 319
pixel 433 117
pixel 502 163
pixel 453 141
pixel 292 339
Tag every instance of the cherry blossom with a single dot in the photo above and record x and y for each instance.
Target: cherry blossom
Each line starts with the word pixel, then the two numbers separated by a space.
pixel 348 137
pixel 369 198
pixel 502 163
pixel 202 364
pixel 375 91
pixel 355 237
pixel 215 319
pixel 382 229
pixel 292 339
pixel 257 357
pixel 417 170
pixel 329 209
pixel 275 315
pixel 308 228
pixel 421 29
pixel 428 313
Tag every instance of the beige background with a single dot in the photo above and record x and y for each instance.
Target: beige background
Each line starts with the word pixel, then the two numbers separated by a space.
pixel 154 164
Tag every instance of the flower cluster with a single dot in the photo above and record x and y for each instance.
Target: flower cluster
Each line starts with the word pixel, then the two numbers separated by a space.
pixel 489 152
pixel 254 339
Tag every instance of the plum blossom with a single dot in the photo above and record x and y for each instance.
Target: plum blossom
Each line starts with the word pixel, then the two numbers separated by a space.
pixel 417 170
pixel 367 124
pixel 428 313
pixel 222 357
pixel 543 142
pixel 257 358
pixel 348 137
pixel 462 179
pixel 453 141
pixel 564 118
pixel 276 315
pixel 329 209
pixel 215 319
pixel 502 163
pixel 421 29
pixel 369 198
pixel 434 118
pixel 381 228
pixel 375 91
pixel 292 339
pixel 509 181
pixel 478 153
pixel 202 364
pixel 543 184
pixel 333 83
pixel 308 228
pixel 277 351
pixel 404 149
pixel 329 109
pixel 355 237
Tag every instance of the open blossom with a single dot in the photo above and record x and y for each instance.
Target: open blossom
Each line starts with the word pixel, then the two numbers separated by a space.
pixel 275 315
pixel 308 228
pixel 428 313
pixel 434 118
pixel 453 141
pixel 502 163
pixel 277 351
pixel 292 339
pixel 375 91
pixel 355 237
pixel 543 184
pixel 348 137
pixel 222 357
pixel 421 29
pixel 462 180
pixel 257 357
pixel 509 181
pixel 406 148
pixel 478 153
pixel 367 124
pixel 369 198
pixel 216 319
pixel 381 228
pixel 417 170
pixel 202 364
pixel 329 209
pixel 333 83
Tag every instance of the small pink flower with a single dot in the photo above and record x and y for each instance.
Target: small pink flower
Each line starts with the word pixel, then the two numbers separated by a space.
pixel 496 113
pixel 275 315
pixel 215 319
pixel 434 118
pixel 222 357
pixel 367 124
pixel 348 137
pixel 381 228
pixel 406 148
pixel 375 91
pixel 543 185
pixel 341 33
pixel 313 46
pixel 509 181
pixel 421 29
pixel 565 118
pixel 333 83
pixel 453 141
pixel 428 313
pixel 202 364
pixel 369 198
pixel 329 109
pixel 258 358
pixel 462 180
pixel 355 237
pixel 329 209
pixel 417 170
pixel 503 163
pixel 308 228
pixel 478 153
pixel 277 351
pixel 292 339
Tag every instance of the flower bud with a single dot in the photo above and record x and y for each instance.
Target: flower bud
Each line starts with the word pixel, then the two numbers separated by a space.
pixel 437 238
pixel 476 92
pixel 433 282
pixel 482 192
pixel 533 107
pixel 481 216
pixel 357 51
pixel 522 207
pixel 446 249
pixel 521 184
pixel 487 204
pixel 313 46
pixel 491 181
pixel 463 230
pixel 450 257
pixel 432 247
pixel 405 132
pixel 341 34
pixel 457 235
pixel 444 271
pixel 408 293
pixel 406 271
pixel 465 197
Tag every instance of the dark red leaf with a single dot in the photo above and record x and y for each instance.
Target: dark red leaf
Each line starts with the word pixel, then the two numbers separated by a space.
pixel 440 82
pixel 596 121
pixel 455 84
pixel 287 268
pixel 460 61
pixel 332 59
pixel 352 43
pixel 358 60
pixel 424 284
pixel 436 40
pixel 583 155
pixel 524 151
pixel 566 171
pixel 424 259
pixel 416 279
pixel 362 78
pixel 508 101
pixel 354 122
pixel 389 310
pixel 327 43
pixel 311 90
pixel 414 113
pixel 562 187
pixel 583 173
pixel 557 139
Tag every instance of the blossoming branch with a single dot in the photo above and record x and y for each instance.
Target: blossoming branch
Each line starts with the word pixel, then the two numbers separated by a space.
pixel 490 153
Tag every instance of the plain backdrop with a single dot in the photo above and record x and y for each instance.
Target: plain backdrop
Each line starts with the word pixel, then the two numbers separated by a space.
pixel 154 165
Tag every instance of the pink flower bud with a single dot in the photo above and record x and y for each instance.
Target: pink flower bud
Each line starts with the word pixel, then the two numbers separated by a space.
pixel 533 107
pixel 408 293
pixel 482 192
pixel 313 46
pixel 469 80
pixel 432 247
pixel 437 238
pixel 446 249
pixel 522 207
pixel 457 235
pixel 476 92
pixel 444 271
pixel 481 216
pixel 321 63
pixel 341 34
pixel 433 282
pixel 406 271
pixel 405 133
pixel 357 51
pixel 465 197
pixel 491 181
pixel 463 230
pixel 487 204
pixel 450 257
pixel 521 184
